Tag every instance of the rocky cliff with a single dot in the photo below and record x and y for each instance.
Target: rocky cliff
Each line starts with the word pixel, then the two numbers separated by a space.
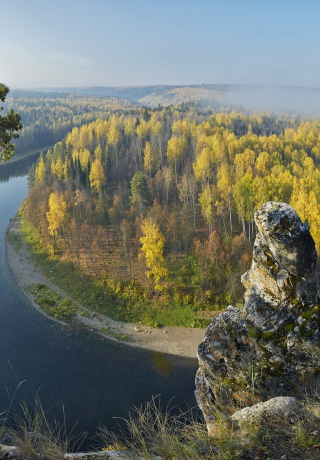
pixel 270 347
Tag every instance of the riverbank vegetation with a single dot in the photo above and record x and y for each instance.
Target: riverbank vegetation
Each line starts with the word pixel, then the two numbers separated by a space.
pixel 154 210
pixel 53 303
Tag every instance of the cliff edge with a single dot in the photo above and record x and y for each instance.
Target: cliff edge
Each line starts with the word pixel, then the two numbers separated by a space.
pixel 270 348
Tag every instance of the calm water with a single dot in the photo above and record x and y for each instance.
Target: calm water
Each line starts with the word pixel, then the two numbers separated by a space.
pixel 95 379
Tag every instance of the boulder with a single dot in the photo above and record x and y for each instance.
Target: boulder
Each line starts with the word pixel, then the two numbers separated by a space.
pixel 270 347
pixel 283 409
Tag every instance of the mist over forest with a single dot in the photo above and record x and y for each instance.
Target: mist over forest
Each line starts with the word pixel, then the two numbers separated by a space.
pixel 292 100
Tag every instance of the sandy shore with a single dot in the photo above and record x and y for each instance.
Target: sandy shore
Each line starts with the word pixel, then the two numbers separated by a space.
pixel 179 341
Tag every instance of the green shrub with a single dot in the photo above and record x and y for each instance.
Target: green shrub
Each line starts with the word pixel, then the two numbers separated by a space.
pixel 53 303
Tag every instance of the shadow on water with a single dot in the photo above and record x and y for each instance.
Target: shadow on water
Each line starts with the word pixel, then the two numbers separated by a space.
pixel 95 379
pixel 162 363
pixel 17 168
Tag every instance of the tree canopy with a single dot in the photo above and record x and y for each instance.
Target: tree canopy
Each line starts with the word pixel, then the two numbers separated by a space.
pixel 179 186
pixel 9 127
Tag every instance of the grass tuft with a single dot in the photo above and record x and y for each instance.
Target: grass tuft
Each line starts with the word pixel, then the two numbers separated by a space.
pixel 149 432
pixel 304 436
pixel 37 437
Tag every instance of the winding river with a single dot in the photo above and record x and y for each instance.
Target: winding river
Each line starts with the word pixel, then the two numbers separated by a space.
pixel 95 380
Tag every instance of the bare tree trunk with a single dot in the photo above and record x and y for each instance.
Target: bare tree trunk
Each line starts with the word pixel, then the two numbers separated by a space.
pixel 224 224
pixel 230 213
pixel 244 227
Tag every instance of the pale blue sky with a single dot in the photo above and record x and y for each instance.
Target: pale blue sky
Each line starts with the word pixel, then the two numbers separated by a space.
pixel 140 42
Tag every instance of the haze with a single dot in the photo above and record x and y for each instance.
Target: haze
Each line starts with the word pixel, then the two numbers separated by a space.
pixel 130 42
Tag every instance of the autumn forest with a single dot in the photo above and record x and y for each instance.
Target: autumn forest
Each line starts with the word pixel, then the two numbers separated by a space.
pixel 155 206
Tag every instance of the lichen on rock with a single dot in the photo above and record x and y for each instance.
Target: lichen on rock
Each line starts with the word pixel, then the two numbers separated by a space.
pixel 271 347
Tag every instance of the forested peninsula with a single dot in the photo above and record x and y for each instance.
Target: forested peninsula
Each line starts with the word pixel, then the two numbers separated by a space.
pixel 147 215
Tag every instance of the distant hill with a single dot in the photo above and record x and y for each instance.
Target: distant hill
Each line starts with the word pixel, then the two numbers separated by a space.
pixel 289 99
pixel 151 96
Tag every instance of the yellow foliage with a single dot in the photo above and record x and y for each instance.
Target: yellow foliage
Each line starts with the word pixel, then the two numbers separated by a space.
pixel 181 127
pixel 40 173
pixel 155 126
pixel 151 158
pixel 260 191
pixel 98 152
pixel 72 137
pixel 83 155
pixel 224 182
pixel 207 200
pixel 148 157
pixel 202 167
pixel 176 146
pixel 97 176
pixel 114 131
pixel 306 205
pixel 243 161
pixel 129 126
pixel 57 213
pixel 142 129
pixel 152 248
pixel 57 168
pixel 204 128
pixel 101 129
pixel 263 163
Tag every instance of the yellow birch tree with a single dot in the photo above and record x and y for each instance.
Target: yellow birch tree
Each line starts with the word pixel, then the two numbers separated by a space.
pixel 97 176
pixel 40 173
pixel 57 168
pixel 57 213
pixel 148 158
pixel 129 126
pixel 152 250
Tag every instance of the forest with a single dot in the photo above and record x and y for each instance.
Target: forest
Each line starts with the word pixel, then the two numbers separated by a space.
pixel 156 206
pixel 48 117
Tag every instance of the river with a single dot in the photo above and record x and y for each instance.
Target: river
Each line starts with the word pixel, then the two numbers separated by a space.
pixel 96 380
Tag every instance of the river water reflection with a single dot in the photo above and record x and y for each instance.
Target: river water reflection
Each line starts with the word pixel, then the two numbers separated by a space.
pixel 95 379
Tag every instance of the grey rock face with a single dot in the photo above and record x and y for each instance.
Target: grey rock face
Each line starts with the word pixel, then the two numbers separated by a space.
pixel 271 347
pixel 284 257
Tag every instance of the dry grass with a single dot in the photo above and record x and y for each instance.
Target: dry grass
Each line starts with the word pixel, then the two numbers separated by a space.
pixel 150 432
pixel 36 435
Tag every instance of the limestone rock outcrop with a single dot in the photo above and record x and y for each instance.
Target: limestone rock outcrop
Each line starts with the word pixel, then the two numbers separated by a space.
pixel 270 347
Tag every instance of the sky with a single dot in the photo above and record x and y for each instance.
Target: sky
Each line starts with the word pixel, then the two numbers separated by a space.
pixel 159 42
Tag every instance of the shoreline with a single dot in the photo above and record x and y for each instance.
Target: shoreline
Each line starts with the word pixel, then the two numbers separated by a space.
pixel 179 341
